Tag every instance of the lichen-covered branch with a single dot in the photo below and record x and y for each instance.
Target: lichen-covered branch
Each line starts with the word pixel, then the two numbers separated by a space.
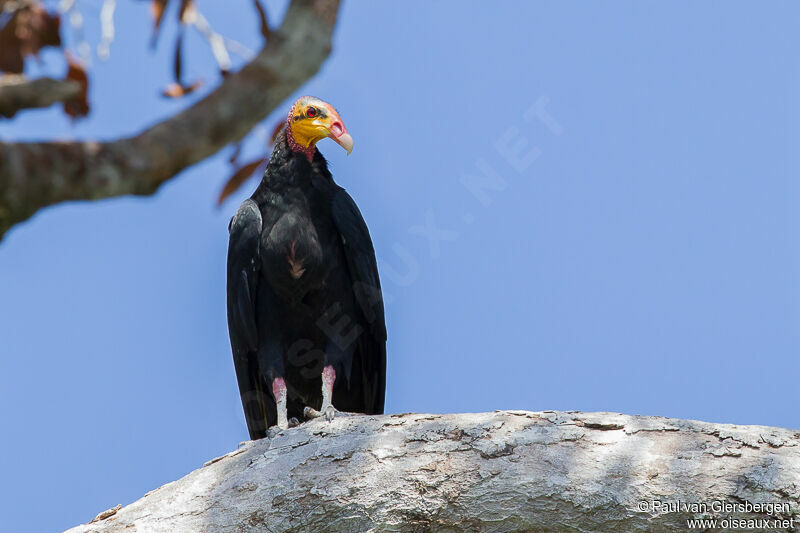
pixel 18 92
pixel 37 174
pixel 500 472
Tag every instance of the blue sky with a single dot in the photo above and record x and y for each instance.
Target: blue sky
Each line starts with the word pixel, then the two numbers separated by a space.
pixel 636 252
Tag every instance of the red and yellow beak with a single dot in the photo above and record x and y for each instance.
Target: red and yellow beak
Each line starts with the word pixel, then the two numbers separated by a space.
pixel 311 120
pixel 338 133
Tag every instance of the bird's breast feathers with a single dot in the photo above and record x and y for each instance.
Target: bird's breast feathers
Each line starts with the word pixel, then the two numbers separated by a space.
pixel 292 250
pixel 296 269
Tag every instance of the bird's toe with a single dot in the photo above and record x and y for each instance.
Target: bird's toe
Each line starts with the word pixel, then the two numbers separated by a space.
pixel 329 413
pixel 273 431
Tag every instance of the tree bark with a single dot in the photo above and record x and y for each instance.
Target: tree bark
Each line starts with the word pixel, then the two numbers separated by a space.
pixel 500 472
pixel 37 174
pixel 18 92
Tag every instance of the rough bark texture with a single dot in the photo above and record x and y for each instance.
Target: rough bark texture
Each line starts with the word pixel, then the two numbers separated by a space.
pixel 18 92
pixel 502 471
pixel 37 174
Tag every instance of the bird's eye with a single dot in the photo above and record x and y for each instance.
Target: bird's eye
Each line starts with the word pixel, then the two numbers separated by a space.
pixel 311 112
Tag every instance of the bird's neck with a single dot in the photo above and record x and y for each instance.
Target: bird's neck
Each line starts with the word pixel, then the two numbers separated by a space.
pixel 286 169
pixel 294 146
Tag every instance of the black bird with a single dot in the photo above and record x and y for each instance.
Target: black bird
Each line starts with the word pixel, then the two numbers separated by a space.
pixel 305 308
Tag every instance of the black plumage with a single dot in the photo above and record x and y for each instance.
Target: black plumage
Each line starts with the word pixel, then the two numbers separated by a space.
pixel 303 294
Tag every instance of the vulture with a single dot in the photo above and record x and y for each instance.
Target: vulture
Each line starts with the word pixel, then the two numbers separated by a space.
pixel 305 308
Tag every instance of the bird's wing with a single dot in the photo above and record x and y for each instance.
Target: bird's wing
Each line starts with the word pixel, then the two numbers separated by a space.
pixel 242 285
pixel 363 268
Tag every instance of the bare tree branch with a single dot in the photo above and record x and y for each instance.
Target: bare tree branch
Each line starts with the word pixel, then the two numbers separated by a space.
pixel 512 471
pixel 37 174
pixel 18 92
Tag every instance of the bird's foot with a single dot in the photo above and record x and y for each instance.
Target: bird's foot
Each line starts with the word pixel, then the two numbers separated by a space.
pixel 274 431
pixel 329 412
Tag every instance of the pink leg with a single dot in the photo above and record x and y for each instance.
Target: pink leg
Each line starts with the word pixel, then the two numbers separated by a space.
pixel 327 410
pixel 279 391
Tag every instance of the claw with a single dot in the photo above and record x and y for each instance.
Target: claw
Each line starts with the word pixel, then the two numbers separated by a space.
pixel 274 431
pixel 328 412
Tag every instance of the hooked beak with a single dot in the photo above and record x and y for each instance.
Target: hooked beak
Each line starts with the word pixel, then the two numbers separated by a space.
pixel 344 140
pixel 333 127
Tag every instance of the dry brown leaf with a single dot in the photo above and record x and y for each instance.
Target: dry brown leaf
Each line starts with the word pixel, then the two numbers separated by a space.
pixel 239 177
pixel 27 30
pixel 262 17
pixel 177 90
pixel 178 65
pixel 79 106
pixel 185 9
pixel 157 7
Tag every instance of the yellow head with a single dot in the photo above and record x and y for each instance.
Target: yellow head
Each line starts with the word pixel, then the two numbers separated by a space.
pixel 310 121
